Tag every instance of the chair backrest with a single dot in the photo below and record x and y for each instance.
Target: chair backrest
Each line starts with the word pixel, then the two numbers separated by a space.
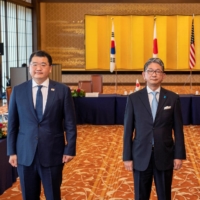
pixel 85 85
pixel 8 93
pixel 97 83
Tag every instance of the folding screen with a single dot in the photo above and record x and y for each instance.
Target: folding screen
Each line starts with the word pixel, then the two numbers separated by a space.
pixel 134 40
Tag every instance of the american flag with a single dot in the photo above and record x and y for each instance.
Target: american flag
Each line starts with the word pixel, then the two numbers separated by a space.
pixel 112 50
pixel 155 44
pixel 192 61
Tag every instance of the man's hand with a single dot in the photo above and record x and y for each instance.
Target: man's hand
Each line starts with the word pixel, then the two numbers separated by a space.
pixel 67 158
pixel 13 160
pixel 177 164
pixel 128 165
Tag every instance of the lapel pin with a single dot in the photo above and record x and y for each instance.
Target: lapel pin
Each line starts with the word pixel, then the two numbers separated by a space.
pixel 52 89
pixel 164 97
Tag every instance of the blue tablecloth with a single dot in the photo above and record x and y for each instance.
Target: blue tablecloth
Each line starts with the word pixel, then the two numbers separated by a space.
pixel 8 174
pixel 186 108
pixel 95 110
pixel 120 109
pixel 195 110
pixel 110 109
pixel 186 102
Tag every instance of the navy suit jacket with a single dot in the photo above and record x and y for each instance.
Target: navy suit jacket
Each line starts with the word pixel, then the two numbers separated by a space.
pixel 26 133
pixel 139 129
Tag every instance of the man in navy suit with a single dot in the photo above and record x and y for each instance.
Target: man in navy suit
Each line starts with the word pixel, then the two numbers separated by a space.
pixel 153 144
pixel 36 143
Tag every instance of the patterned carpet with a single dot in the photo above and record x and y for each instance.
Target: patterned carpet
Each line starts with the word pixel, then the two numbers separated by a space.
pixel 97 172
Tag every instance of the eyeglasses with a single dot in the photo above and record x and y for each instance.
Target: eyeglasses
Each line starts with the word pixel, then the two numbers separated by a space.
pixel 35 64
pixel 151 72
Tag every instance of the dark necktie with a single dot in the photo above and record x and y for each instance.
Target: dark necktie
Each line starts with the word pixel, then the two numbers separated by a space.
pixel 39 103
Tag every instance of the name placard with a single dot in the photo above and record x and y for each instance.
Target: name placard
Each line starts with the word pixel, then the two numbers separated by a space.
pixel 91 94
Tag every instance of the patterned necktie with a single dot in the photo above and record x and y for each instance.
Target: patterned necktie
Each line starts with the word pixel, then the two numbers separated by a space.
pixel 154 105
pixel 39 103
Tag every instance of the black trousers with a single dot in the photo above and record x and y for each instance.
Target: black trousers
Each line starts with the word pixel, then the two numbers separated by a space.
pixel 143 182
pixel 32 176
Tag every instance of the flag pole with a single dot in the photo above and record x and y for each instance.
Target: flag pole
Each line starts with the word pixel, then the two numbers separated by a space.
pixel 190 81
pixel 155 43
pixel 192 60
pixel 112 54
pixel 115 79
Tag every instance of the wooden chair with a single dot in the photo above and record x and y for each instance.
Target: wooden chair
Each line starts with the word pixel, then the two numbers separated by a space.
pixel 97 83
pixel 8 93
pixel 85 85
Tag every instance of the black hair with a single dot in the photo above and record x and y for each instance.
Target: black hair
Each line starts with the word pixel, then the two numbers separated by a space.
pixel 24 65
pixel 41 54
pixel 154 60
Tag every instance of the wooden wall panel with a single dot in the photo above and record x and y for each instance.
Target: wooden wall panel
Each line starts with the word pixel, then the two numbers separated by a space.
pixel 63 29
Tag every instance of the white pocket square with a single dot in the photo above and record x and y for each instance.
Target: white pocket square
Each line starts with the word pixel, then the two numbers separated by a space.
pixel 167 107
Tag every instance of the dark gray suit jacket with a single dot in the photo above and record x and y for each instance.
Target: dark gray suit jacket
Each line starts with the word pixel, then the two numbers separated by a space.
pixel 138 120
pixel 26 133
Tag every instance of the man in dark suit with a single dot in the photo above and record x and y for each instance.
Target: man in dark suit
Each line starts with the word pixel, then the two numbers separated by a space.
pixel 153 134
pixel 40 110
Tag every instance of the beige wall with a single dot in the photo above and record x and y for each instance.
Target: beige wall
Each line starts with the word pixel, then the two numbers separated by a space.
pixel 62 25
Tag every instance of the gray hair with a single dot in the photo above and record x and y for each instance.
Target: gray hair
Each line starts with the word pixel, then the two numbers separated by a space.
pixel 154 60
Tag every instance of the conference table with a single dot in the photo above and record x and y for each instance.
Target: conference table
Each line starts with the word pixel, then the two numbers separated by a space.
pixel 109 109
pixel 8 174
pixel 95 110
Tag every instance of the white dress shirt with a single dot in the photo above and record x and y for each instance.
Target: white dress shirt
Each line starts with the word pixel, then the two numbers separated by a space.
pixel 150 95
pixel 44 90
